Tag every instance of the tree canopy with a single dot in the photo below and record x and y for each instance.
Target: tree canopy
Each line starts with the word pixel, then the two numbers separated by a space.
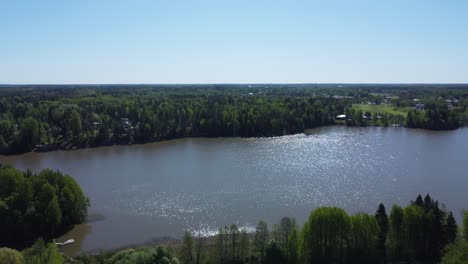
pixel 45 118
pixel 38 205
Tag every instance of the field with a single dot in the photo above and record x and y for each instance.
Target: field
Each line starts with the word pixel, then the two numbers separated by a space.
pixel 383 108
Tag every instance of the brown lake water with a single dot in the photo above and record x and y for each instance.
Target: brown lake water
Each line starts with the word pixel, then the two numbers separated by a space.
pixel 141 192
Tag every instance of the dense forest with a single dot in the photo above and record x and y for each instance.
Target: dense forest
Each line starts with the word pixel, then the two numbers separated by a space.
pixel 422 232
pixel 38 205
pixel 41 118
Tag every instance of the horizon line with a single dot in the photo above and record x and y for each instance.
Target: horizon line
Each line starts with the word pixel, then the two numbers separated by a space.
pixel 246 83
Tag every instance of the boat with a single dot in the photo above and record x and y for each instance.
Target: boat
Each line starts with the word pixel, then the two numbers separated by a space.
pixel 69 241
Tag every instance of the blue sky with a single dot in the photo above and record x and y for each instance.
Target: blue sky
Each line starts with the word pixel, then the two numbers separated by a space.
pixel 239 41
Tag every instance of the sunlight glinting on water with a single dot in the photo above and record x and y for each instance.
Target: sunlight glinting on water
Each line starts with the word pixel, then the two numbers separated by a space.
pixel 331 169
pixel 199 185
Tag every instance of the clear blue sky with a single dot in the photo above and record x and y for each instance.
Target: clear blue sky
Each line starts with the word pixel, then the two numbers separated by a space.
pixel 238 41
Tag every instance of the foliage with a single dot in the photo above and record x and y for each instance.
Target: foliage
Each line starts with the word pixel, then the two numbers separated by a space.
pixel 261 238
pixel 144 255
pixel 328 229
pixel 436 116
pixel 282 230
pixel 244 245
pixel 363 239
pixel 382 221
pixel 42 253
pixel 41 205
pixel 67 118
pixel 414 234
pixel 394 244
pixel 465 225
pixel 417 233
pixel 273 254
pixel 292 252
pixel 456 253
pixel 187 250
pixel 45 118
pixel 10 256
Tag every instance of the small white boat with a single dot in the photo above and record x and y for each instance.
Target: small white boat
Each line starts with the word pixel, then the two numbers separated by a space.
pixel 69 241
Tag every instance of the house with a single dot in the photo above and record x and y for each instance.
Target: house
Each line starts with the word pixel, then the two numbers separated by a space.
pixel 340 117
pixel 96 125
pixel 419 106
pixel 125 123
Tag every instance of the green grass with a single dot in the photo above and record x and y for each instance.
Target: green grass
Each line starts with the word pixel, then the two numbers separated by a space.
pixel 383 108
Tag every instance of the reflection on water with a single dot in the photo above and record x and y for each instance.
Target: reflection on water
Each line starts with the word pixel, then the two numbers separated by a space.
pixel 163 189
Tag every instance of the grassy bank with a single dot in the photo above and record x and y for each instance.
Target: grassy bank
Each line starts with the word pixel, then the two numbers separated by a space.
pixel 383 108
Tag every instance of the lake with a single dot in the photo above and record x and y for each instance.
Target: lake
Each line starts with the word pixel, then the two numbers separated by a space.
pixel 141 192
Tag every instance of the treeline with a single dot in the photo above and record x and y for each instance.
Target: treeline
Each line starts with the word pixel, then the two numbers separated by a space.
pixel 48 118
pixel 359 118
pixel 433 115
pixel 436 116
pixel 39 253
pixel 43 253
pixel 94 118
pixel 422 232
pixel 418 233
pixel 38 205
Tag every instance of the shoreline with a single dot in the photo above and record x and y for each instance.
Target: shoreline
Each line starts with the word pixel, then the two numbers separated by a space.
pixel 306 132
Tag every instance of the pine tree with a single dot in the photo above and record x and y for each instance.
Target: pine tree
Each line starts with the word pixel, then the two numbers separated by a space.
pixel 465 225
pixel 419 201
pixel 428 203
pixel 382 221
pixel 451 228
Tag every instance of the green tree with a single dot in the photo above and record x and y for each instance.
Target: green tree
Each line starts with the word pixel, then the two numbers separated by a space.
pixel 29 134
pixel 261 238
pixel 465 225
pixel 328 229
pixel 419 201
pixel 456 253
pixel 413 227
pixel 293 247
pixel 53 215
pixel 222 245
pixel 10 256
pixel 395 235
pixel 234 233
pixel 363 239
pixel 199 247
pixel 143 255
pixel 451 228
pixel 75 123
pixel 33 206
pixel 285 226
pixel 10 180
pixel 42 253
pixel 187 250
pixel 382 221
pixel 273 254
pixel 244 245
